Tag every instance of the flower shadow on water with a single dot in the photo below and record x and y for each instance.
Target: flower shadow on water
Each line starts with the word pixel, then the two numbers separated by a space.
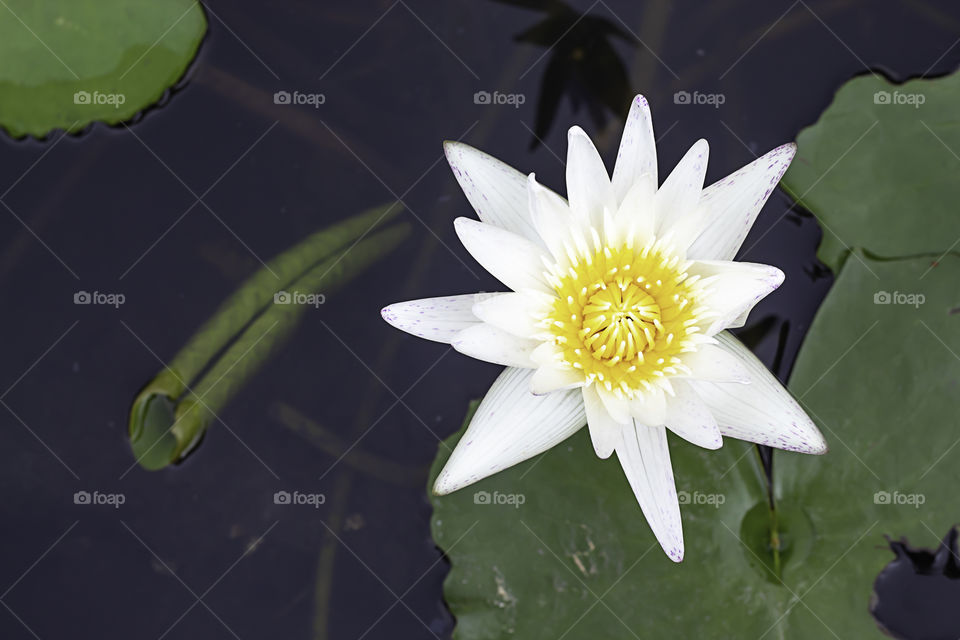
pixel 912 595
pixel 583 64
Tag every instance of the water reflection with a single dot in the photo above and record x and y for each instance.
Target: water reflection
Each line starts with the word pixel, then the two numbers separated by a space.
pixel 583 64
pixel 915 595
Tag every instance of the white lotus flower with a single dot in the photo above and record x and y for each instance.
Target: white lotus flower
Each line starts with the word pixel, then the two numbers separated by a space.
pixel 616 316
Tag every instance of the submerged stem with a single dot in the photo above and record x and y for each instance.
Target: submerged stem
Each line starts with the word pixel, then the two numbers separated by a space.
pixel 257 292
pixel 775 542
pixel 168 417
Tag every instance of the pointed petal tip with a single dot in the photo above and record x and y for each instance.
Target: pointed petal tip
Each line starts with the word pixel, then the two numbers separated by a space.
pixel 603 454
pixel 675 554
pixel 806 438
pixel 811 440
pixel 533 186
pixel 819 447
pixel 778 276
pixel 713 445
pixel 465 228
pixel 451 148
pixel 390 315
pixel 441 485
pixel 788 152
pixel 453 477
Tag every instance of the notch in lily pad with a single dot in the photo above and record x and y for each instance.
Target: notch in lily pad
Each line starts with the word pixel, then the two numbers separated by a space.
pixel 172 412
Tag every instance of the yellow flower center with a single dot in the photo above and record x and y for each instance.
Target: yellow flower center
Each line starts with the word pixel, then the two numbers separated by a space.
pixel 623 316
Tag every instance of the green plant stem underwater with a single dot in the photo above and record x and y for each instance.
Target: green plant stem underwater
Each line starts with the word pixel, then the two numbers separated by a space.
pixel 172 412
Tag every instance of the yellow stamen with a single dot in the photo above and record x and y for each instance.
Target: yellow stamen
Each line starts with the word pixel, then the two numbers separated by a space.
pixel 616 305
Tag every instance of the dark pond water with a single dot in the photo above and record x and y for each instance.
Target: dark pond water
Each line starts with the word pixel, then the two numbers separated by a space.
pixel 201 550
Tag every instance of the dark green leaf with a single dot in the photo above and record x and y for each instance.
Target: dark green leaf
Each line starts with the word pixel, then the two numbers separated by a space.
pixel 879 168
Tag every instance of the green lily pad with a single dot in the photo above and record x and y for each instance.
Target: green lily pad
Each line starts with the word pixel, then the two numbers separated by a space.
pixel 573 558
pixel 68 63
pixel 879 168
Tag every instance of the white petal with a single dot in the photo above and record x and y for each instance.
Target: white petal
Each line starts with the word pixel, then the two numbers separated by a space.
pixel 616 405
pixel 650 408
pixel 733 203
pixel 552 378
pixel 516 313
pixel 604 430
pixel 645 459
pixel 714 363
pixel 488 343
pixel 740 320
pixel 497 191
pixel 636 217
pixel 552 218
pixel 547 354
pixel 512 260
pixel 762 411
pixel 737 287
pixel 438 319
pixel 638 150
pixel 679 194
pixel 510 425
pixel 690 418
pixel 588 185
